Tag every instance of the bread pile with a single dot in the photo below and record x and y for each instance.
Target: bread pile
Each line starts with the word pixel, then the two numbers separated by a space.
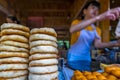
pixel 14 52
pixel 43 51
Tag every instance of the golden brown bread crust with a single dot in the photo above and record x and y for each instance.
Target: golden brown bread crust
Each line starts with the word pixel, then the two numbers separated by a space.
pixel 13 74
pixel 10 67
pixel 12 49
pixel 49 31
pixel 43 69
pixel 17 38
pixel 35 37
pixel 23 77
pixel 14 26
pixel 16 44
pixel 44 50
pixel 13 54
pixel 13 60
pixel 43 62
pixel 43 43
pixel 39 56
pixel 14 31
pixel 43 77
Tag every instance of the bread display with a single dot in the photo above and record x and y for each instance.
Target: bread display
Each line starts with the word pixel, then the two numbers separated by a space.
pixel 43 54
pixel 14 52
pixel 15 45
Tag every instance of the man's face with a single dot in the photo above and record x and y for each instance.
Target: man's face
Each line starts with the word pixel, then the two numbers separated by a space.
pixel 91 11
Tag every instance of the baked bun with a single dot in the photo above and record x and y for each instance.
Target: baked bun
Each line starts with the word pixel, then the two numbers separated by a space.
pixel 36 37
pixel 44 49
pixel 14 54
pixel 12 74
pixel 4 67
pixel 12 48
pixel 43 69
pixel 17 38
pixel 13 31
pixel 13 60
pixel 49 31
pixel 43 43
pixel 16 44
pixel 14 26
pixel 42 56
pixel 43 62
pixel 16 78
pixel 51 76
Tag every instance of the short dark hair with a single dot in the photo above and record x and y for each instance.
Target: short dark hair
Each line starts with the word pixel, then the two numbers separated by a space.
pixel 13 18
pixel 94 3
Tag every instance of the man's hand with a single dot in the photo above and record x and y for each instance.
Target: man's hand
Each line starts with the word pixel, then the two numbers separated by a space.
pixel 112 14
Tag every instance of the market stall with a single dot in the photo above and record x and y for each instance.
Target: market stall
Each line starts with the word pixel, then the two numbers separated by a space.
pixel 38 40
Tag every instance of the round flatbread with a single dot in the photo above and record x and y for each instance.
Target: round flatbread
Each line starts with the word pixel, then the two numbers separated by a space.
pixel 44 49
pixel 43 69
pixel 13 54
pixel 42 56
pixel 43 62
pixel 14 31
pixel 16 44
pixel 4 67
pixel 51 76
pixel 17 78
pixel 13 49
pixel 49 31
pixel 17 38
pixel 43 43
pixel 13 60
pixel 36 37
pixel 12 74
pixel 14 26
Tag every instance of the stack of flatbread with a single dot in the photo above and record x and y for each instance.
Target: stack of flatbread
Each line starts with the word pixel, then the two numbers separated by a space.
pixel 14 52
pixel 43 51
